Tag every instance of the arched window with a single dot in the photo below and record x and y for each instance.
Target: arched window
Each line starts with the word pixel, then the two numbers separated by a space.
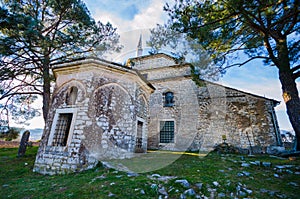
pixel 72 96
pixel 169 99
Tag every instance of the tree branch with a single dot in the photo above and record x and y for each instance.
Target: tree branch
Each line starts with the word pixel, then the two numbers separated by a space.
pixel 295 68
pixel 247 61
pixel 296 75
pixel 270 50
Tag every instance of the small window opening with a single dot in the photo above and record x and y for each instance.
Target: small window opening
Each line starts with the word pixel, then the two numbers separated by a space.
pixel 169 99
pixel 62 129
pixel 72 96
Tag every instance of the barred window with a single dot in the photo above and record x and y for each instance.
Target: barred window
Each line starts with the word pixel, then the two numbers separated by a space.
pixel 62 129
pixel 167 132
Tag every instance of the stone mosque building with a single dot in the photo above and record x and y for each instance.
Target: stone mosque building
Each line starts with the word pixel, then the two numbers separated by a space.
pixel 104 110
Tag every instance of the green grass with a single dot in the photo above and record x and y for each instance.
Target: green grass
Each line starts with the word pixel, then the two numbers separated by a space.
pixel 18 181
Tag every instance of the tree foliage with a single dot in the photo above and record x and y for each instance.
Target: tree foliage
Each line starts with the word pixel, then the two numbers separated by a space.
pixel 267 30
pixel 34 34
pixel 10 134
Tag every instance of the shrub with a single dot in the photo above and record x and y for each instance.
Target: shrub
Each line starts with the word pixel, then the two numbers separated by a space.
pixel 10 135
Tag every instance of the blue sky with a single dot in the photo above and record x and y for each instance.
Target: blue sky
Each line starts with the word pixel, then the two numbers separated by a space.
pixel 135 17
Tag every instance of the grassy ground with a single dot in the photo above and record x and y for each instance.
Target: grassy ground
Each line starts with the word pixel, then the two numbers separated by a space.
pixel 18 181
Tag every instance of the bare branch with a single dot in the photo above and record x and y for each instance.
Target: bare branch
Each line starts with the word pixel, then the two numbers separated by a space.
pixel 270 50
pixel 295 68
pixel 296 75
pixel 247 61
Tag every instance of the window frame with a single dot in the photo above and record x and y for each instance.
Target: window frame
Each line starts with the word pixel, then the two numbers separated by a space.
pixel 54 124
pixel 164 99
pixel 160 131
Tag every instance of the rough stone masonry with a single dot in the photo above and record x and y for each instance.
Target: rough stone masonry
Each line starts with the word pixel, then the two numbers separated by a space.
pixel 104 110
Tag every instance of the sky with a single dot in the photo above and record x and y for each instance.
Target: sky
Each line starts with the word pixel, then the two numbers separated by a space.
pixel 133 18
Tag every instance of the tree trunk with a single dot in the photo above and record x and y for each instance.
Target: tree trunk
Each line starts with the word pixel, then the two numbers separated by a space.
pixel 46 87
pixel 291 98
pixel 289 89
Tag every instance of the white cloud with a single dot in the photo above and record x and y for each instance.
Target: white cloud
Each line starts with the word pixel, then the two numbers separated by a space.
pixel 148 17
pixel 150 14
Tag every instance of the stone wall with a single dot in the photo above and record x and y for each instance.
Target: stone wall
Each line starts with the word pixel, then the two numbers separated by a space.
pixel 104 124
pixel 152 61
pixel 184 113
pixel 243 118
pixel 204 112
pixel 167 72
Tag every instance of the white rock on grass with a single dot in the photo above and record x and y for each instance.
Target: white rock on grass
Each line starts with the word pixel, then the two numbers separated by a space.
pixel 163 191
pixel 216 184
pixel 189 192
pixel 183 182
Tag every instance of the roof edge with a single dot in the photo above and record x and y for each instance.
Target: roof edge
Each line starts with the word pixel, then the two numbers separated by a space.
pixel 247 93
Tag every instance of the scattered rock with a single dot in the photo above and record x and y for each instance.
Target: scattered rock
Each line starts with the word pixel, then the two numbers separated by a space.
pixel 142 192
pixel 221 171
pixel 155 175
pixel 279 167
pixel 199 185
pixel 241 193
pixel 216 184
pixel 221 195
pixel 163 191
pixel 111 194
pixel 212 192
pixel 272 193
pixel 248 191
pixel 264 191
pixel 184 183
pixel 170 189
pixel 276 175
pixel 98 177
pixel 246 173
pixel 161 178
pixel 5 185
pixel 245 165
pixel 189 192
pixel 293 184
pixel 289 171
pixel 257 163
pixel 280 195
pixel 275 150
pixel 130 174
pixel 154 186
pixel 267 164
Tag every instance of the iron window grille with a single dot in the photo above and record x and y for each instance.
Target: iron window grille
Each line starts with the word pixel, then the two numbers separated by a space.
pixel 167 132
pixel 62 129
